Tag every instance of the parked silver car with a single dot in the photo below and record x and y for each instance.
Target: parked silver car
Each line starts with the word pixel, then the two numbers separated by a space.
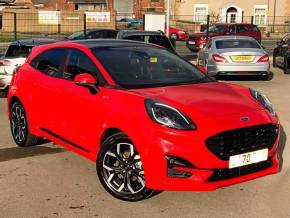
pixel 15 55
pixel 234 55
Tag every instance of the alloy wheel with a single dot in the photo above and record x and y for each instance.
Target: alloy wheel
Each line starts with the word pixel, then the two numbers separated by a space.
pixel 122 169
pixel 18 123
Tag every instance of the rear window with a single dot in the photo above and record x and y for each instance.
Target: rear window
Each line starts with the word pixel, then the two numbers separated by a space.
pixel 237 43
pixel 155 39
pixel 17 51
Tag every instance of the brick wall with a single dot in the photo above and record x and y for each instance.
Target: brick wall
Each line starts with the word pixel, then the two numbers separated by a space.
pixel 146 6
pixel 70 21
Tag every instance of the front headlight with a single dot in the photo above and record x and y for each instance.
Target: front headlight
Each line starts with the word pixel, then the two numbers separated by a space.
pixel 263 100
pixel 168 116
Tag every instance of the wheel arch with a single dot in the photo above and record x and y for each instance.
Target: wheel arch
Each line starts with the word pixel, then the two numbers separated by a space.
pixel 109 132
pixel 12 100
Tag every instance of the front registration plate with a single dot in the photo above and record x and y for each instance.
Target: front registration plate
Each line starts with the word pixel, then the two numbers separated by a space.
pixel 242 58
pixel 248 158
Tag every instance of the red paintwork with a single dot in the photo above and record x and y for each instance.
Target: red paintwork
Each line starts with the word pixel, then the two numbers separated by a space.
pixel 202 69
pixel 200 38
pixel 182 35
pixel 85 78
pixel 74 113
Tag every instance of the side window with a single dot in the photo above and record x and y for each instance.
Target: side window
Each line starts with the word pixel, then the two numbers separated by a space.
pixel 112 34
pixel 256 29
pixel 232 29
pixel 242 29
pixel 77 63
pixel 50 62
pixel 97 35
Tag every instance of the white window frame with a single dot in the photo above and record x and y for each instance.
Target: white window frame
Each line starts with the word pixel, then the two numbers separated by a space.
pixel 266 15
pixel 197 18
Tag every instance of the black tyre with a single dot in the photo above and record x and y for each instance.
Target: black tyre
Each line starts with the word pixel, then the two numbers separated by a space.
pixel 20 127
pixel 120 170
pixel 286 66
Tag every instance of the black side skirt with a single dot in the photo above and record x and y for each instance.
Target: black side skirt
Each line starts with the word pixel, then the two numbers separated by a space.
pixel 63 139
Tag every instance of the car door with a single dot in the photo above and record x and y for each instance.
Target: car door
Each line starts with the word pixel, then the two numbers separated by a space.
pixel 285 50
pixel 45 75
pixel 279 52
pixel 80 112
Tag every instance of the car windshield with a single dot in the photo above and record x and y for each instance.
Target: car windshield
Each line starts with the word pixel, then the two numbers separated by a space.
pixel 154 39
pixel 237 43
pixel 16 51
pixel 141 67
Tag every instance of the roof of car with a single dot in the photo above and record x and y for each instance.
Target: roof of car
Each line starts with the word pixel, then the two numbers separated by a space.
pixel 100 43
pixel 228 24
pixel 33 42
pixel 215 38
pixel 126 33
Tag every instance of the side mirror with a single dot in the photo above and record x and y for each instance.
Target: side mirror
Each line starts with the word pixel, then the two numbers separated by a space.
pixel 88 81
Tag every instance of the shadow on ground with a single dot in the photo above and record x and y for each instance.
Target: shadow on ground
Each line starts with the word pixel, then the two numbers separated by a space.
pixel 7 154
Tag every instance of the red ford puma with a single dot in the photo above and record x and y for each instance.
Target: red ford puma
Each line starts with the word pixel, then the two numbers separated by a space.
pixel 150 120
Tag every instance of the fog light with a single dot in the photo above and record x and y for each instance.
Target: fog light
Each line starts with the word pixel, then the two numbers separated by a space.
pixel 175 162
pixel 173 173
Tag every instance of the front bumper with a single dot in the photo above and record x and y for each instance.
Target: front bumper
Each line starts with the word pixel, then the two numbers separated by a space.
pixel 195 45
pixel 5 81
pixel 154 147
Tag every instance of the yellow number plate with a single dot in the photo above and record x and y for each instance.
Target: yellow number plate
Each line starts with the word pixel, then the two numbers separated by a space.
pixel 242 58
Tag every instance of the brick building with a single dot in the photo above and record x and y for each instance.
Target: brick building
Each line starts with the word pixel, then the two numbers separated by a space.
pixel 136 8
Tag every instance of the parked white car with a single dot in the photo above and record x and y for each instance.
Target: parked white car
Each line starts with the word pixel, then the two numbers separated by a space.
pixel 15 55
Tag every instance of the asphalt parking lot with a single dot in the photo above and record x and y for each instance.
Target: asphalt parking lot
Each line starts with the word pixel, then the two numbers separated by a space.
pixel 48 181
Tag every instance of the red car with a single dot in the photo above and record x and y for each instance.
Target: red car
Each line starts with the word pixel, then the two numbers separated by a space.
pixel 197 41
pixel 174 32
pixel 147 118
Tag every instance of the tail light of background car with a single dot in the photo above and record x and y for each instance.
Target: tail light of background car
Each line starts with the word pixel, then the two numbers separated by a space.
pixel 219 58
pixel 264 58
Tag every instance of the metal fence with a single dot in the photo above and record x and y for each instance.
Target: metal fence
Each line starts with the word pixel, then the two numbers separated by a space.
pixel 24 24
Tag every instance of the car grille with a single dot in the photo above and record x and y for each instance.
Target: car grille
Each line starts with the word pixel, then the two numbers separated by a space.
pixel 223 174
pixel 242 140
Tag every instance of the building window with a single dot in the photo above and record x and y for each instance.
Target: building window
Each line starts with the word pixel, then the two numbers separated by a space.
pixel 260 13
pixel 200 12
pixel 151 9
